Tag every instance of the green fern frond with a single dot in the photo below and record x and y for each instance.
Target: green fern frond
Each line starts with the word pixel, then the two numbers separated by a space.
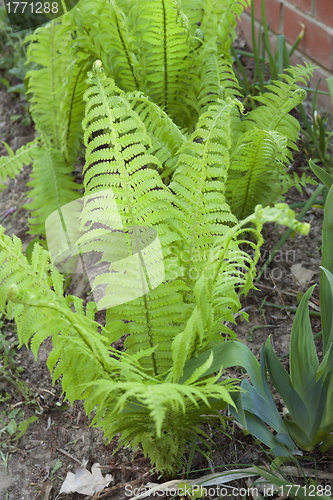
pixel 166 39
pixel 235 270
pixel 48 48
pixel 158 397
pixel 293 180
pixel 199 185
pixel 226 267
pixel 57 108
pixel 218 81
pixel 254 172
pixel 40 311
pixel 282 97
pixel 167 414
pixel 119 43
pixel 217 78
pixel 12 164
pixel 117 159
pixel 72 109
pixel 113 38
pixel 34 324
pixel 14 268
pixel 117 156
pixel 53 186
pixel 165 136
pixel 257 171
pixel 219 22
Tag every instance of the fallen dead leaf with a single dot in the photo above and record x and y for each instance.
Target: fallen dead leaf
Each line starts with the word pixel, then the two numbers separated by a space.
pixel 85 482
pixel 302 275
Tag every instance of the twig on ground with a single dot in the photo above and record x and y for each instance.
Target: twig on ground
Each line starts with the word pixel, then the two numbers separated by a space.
pixel 69 455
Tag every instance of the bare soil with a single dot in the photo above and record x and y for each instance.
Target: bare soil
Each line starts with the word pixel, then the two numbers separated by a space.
pixel 36 465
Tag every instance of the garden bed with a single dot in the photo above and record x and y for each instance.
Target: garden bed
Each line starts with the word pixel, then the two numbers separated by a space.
pixel 35 466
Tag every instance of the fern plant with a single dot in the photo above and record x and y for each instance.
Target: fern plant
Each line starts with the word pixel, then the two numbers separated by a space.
pixel 270 133
pixel 172 58
pixel 163 412
pixel 162 129
pixel 137 392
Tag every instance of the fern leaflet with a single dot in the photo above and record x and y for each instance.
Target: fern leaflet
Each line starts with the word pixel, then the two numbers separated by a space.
pixel 12 164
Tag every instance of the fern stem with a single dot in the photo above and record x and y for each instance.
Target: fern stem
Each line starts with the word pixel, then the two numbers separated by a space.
pixel 153 357
pixel 126 52
pixel 165 58
pixel 64 6
pixel 250 180
pixel 71 107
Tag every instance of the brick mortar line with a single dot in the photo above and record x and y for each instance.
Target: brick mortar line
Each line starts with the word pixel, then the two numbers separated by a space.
pixel 307 16
pixel 298 52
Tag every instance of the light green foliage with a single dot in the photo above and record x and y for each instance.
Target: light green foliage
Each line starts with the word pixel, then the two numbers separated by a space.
pixel 164 135
pixel 164 151
pixel 127 391
pixel 282 97
pixel 257 168
pixel 120 392
pixel 172 60
pixel 307 390
pixel 12 164
pixel 189 216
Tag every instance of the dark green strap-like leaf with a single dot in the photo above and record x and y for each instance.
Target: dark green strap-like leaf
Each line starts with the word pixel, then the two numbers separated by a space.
pixel 259 430
pixel 282 435
pixel 281 381
pixel 326 281
pixel 299 434
pixel 253 403
pixel 231 353
pixel 318 409
pixel 325 177
pixel 303 355
pixel 327 263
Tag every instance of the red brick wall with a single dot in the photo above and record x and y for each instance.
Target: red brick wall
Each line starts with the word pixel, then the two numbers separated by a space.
pixel 287 17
